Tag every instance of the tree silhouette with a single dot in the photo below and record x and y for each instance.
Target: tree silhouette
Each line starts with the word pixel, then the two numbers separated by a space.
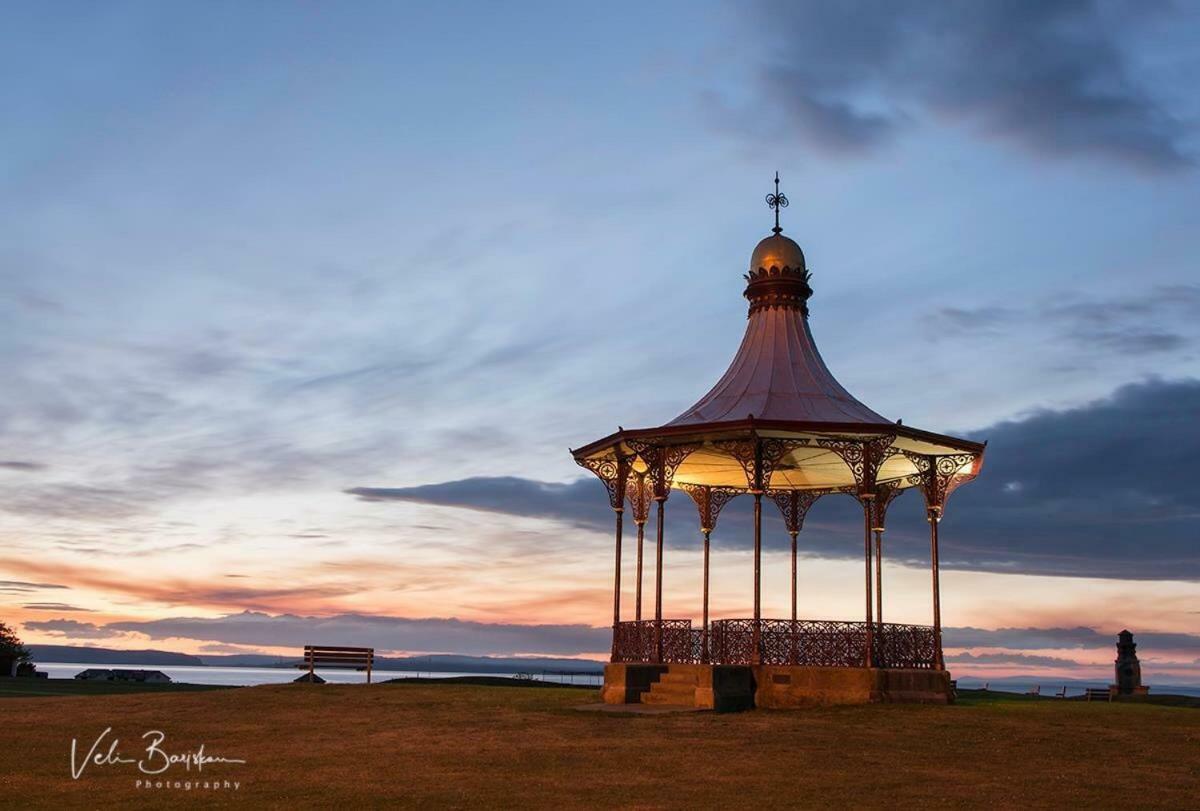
pixel 10 644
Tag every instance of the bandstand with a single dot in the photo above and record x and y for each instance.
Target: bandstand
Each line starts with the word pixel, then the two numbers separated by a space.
pixel 778 426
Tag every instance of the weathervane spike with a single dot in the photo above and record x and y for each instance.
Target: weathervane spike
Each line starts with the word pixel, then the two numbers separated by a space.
pixel 777 201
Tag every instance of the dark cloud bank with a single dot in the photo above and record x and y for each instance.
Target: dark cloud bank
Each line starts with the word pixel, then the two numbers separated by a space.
pixel 1105 490
pixel 250 630
pixel 1047 75
pixel 433 635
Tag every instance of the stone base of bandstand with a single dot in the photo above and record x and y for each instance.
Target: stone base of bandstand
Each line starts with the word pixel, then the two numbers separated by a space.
pixel 741 687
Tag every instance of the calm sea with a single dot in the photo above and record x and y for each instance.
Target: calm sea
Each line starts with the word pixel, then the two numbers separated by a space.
pixel 1074 687
pixel 245 676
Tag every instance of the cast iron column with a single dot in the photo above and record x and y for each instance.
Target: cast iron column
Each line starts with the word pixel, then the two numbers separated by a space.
pixel 879 576
pixel 793 534
pixel 870 652
pixel 756 657
pixel 935 516
pixel 658 567
pixel 792 640
pixel 617 584
pixel 641 526
pixel 704 632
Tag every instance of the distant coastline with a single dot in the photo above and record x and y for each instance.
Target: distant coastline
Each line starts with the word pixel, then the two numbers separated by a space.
pixel 435 662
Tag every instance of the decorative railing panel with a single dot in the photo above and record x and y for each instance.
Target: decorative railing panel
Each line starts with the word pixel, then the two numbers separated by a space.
pixel 638 642
pixel 817 643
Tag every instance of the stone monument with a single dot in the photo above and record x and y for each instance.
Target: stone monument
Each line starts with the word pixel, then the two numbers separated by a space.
pixel 1129 669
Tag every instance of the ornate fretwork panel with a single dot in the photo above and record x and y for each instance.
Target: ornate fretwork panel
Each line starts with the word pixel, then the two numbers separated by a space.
pixel 635 641
pixel 759 457
pixel 939 476
pixel 614 472
pixel 885 494
pixel 639 493
pixel 710 501
pixel 794 505
pixel 864 457
pixel 814 643
pixel 661 463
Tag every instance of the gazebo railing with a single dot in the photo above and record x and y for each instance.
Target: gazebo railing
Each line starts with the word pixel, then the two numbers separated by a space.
pixel 816 643
pixel 639 641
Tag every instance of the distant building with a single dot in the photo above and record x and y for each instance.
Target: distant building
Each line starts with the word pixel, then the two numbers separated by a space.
pixel 123 675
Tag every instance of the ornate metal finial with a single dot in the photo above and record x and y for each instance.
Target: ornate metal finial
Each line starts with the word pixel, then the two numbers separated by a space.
pixel 777 201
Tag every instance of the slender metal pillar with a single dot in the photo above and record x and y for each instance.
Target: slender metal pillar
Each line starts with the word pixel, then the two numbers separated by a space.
pixel 658 570
pixel 617 584
pixel 641 527
pixel 793 637
pixel 704 657
pixel 756 658
pixel 869 655
pixel 879 576
pixel 793 534
pixel 934 517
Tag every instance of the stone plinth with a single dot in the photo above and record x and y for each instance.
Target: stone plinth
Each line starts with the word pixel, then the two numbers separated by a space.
pixel 739 687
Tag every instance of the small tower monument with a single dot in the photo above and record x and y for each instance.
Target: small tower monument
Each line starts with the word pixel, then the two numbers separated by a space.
pixel 1129 669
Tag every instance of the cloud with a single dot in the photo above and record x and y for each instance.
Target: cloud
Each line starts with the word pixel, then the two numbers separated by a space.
pixel 25 587
pixel 575 503
pixel 1063 638
pixel 1092 491
pixel 1159 320
pixel 1049 76
pixel 1031 660
pixel 180 590
pixel 53 607
pixel 27 467
pixel 422 635
pixel 72 629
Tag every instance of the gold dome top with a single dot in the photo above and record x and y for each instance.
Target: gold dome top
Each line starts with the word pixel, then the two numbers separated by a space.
pixel 777 251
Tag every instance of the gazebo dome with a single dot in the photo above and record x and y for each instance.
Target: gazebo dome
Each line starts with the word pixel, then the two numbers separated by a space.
pixel 777 251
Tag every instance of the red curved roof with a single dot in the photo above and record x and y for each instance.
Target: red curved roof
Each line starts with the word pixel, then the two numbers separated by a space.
pixel 778 374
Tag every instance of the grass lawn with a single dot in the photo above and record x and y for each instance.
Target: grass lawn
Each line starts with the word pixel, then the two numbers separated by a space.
pixel 24 688
pixel 470 746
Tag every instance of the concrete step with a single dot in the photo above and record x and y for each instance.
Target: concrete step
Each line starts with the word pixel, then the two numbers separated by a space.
pixel 680 691
pixel 680 700
pixel 670 677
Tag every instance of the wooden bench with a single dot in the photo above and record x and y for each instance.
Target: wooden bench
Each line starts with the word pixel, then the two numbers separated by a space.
pixel 1098 693
pixel 334 656
pixel 1061 693
pixel 1036 691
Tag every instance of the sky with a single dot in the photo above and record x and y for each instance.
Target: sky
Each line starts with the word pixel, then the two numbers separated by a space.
pixel 302 306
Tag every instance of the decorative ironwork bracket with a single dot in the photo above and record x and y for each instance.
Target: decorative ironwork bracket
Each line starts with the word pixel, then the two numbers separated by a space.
pixel 614 473
pixel 759 457
pixel 661 462
pixel 638 492
pixel 710 501
pixel 885 494
pixel 939 476
pixel 864 457
pixel 794 506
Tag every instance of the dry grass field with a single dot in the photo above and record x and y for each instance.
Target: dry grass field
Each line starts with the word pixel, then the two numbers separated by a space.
pixel 471 746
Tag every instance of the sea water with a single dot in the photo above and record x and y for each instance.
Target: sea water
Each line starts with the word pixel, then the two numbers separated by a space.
pixel 246 676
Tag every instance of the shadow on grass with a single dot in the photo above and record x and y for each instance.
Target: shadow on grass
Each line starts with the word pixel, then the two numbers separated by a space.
pixel 26 688
pixel 491 681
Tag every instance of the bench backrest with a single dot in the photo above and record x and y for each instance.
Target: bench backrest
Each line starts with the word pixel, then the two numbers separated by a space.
pixel 339 656
pixel 332 655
